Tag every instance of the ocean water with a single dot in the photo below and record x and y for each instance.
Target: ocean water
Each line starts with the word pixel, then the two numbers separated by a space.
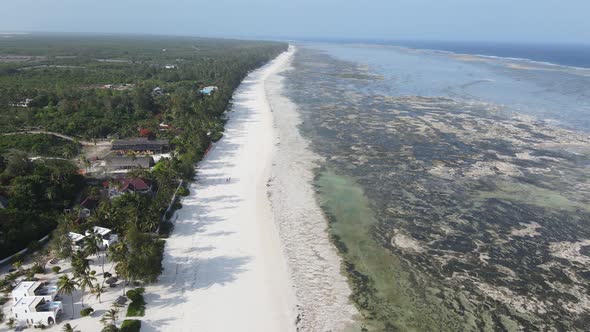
pixel 549 92
pixel 575 55
pixel 457 186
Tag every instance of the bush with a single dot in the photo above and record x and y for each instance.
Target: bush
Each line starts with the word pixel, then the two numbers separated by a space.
pixel 40 325
pixel 37 269
pixel 56 269
pixel 107 275
pixel 136 295
pixel 11 322
pixel 183 191
pixel 86 312
pixel 177 205
pixel 166 228
pixel 131 325
pixel 137 305
pixel 136 309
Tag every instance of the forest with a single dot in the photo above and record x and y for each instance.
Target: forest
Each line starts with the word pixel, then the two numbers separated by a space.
pixel 96 87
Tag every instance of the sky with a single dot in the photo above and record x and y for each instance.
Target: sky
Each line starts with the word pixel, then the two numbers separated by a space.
pixel 459 20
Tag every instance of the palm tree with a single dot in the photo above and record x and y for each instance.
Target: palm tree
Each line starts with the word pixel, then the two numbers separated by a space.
pixel 104 215
pixel 122 269
pixel 110 317
pixel 80 263
pixel 85 281
pixel 98 290
pixel 91 245
pixel 65 285
pixel 118 253
pixel 68 328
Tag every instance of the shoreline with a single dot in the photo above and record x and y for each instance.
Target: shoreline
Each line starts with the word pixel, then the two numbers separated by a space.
pixel 321 289
pixel 224 268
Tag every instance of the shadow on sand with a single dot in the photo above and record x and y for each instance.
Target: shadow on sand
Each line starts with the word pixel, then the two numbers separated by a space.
pixel 190 267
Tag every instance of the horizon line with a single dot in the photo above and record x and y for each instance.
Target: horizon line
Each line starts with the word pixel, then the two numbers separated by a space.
pixel 286 38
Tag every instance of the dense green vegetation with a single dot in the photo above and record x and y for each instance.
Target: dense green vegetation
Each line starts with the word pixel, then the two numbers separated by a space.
pixel 66 93
pixel 94 87
pixel 38 145
pixel 38 191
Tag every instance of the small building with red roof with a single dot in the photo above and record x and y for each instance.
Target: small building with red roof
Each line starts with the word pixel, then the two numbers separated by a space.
pixel 135 185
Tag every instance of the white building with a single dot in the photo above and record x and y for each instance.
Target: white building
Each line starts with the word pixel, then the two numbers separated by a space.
pixel 157 91
pixel 106 235
pixel 77 240
pixel 208 90
pixel 34 288
pixel 31 310
pixel 23 103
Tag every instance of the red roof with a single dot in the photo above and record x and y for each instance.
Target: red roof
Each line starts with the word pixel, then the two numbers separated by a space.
pixel 135 184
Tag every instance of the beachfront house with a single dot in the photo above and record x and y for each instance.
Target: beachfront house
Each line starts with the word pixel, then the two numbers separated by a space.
pixel 107 237
pixel 31 310
pixel 34 288
pixel 77 241
pixel 136 185
pixel 140 145
pixel 131 186
pixel 208 90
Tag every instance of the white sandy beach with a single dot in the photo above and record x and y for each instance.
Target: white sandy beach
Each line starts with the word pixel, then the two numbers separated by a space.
pixel 237 260
pixel 224 264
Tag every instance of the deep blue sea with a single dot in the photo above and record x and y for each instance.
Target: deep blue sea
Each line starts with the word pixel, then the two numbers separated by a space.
pixel 575 55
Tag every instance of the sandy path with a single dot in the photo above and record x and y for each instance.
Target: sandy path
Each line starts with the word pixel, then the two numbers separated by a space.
pixel 224 265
